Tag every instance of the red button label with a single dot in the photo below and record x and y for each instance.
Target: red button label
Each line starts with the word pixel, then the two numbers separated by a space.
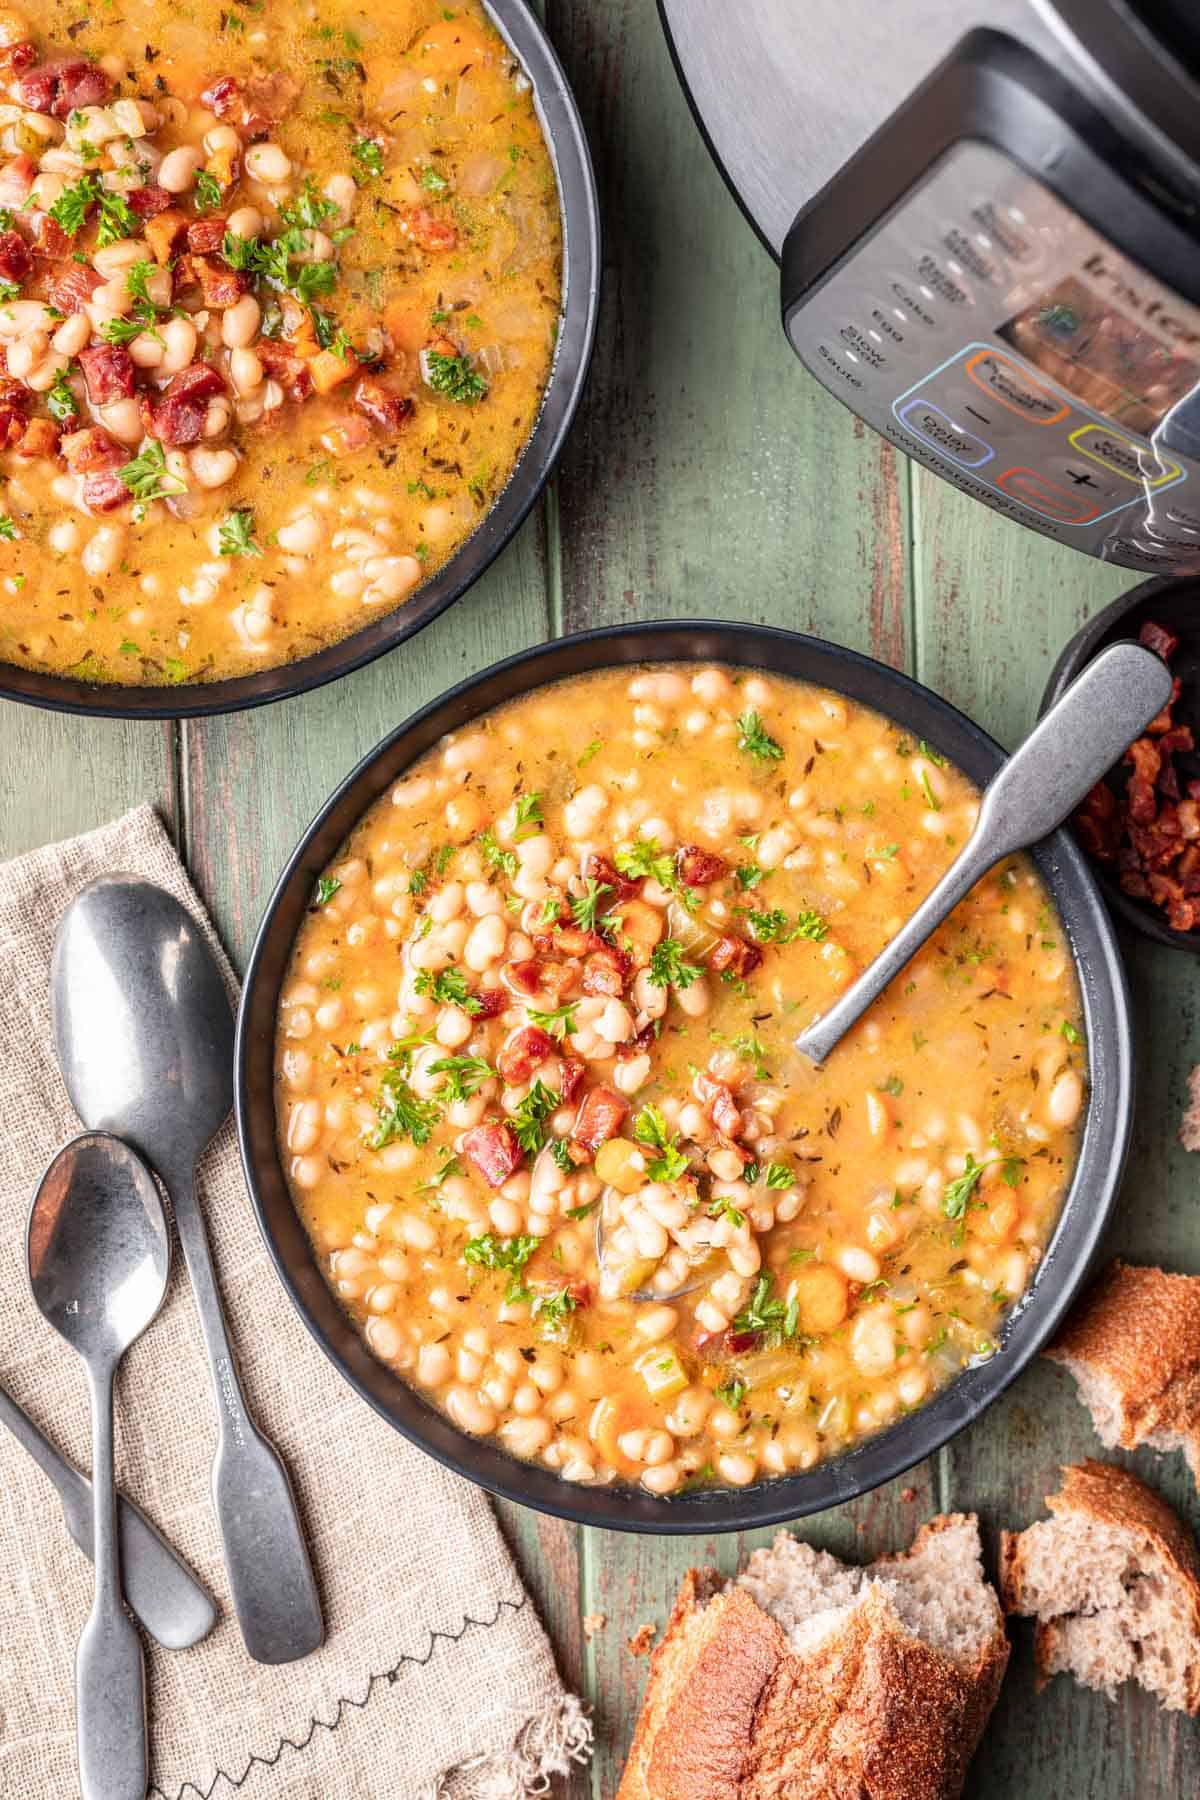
pixel 1044 496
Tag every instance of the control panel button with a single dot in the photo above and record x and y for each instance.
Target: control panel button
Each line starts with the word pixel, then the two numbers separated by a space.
pixel 869 346
pixel 929 422
pixel 1007 228
pixel 1050 498
pixel 842 363
pixel 971 255
pixel 1013 386
pixel 945 278
pixel 911 303
pixel 1124 456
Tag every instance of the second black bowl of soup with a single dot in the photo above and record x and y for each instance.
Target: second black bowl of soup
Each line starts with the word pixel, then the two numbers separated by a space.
pixel 539 961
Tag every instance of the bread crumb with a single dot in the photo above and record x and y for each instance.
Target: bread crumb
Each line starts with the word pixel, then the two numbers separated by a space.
pixel 1189 1125
pixel 594 1622
pixel 908 1495
pixel 642 1641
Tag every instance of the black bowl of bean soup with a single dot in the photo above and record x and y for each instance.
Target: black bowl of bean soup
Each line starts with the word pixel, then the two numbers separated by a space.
pixel 522 1117
pixel 295 311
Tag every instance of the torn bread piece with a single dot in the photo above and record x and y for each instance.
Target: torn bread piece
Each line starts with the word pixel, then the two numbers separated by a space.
pixel 1133 1347
pixel 807 1679
pixel 1113 1580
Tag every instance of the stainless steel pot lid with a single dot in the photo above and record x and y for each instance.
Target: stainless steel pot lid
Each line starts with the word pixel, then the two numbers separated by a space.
pixel 786 95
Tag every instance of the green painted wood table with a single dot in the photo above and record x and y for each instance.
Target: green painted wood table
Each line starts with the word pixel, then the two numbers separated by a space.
pixel 707 474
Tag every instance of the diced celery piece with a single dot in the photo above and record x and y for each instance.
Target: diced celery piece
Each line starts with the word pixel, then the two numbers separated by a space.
pixel 662 1372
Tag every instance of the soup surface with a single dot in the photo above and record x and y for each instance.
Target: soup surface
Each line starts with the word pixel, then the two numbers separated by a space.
pixel 552 985
pixel 279 288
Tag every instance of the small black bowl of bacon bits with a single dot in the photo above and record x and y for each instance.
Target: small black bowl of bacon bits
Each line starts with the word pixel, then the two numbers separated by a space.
pixel 1140 826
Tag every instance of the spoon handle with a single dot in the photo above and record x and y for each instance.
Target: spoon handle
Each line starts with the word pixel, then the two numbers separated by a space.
pixel 159 1586
pixel 270 1575
pixel 110 1679
pixel 1065 755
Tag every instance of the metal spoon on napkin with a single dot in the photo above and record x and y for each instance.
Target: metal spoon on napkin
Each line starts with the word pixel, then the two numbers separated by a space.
pixel 1061 760
pixel 159 1586
pixel 99 1252
pixel 144 1032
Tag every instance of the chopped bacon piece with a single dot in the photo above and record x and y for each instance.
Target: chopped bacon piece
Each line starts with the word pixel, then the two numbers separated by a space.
pixel 492 1002
pixel 605 972
pixel 205 236
pixel 736 954
pixel 12 414
pixel 15 260
pixel 570 1078
pixel 387 410
pixel 164 233
pixel 700 868
pixel 526 976
pixel 348 435
pixel 40 438
pixel 16 179
pixel 427 230
pixel 283 365
pixel 63 86
pixel 1162 721
pixel 568 939
pixel 1139 795
pixel 494 1151
pixel 716 1097
pixel 523 1052
pixel 69 287
pixel 50 241
pixel 223 97
pixel 220 285
pixel 1158 638
pixel 148 202
pixel 92 450
pixel 598 868
pixel 1180 737
pixel 103 492
pixel 15 59
pixel 178 417
pixel 599 1118
pixel 1098 823
pixel 108 371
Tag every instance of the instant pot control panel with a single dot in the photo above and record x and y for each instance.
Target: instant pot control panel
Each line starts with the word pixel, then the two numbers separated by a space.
pixel 990 332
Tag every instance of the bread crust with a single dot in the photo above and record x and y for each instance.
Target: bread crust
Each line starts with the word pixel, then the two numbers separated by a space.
pixel 1137 1332
pixel 1100 1493
pixel 868 1713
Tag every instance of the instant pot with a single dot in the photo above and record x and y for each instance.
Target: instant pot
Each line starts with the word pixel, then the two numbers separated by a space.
pixel 988 221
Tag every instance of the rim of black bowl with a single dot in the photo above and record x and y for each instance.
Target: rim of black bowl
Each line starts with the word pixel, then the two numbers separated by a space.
pixel 1085 1210
pixel 580 214
pixel 1078 651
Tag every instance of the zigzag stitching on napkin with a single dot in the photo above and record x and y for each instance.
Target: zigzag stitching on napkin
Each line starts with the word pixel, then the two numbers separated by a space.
pixel 388 1675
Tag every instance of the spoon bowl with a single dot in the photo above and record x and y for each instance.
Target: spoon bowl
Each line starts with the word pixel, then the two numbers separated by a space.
pixel 98 1247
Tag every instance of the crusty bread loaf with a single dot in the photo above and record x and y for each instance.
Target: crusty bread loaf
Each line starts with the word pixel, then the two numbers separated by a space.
pixel 1133 1346
pixel 807 1679
pixel 1113 1580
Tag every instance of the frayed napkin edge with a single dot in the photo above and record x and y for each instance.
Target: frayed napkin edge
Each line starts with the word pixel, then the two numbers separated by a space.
pixel 547 1744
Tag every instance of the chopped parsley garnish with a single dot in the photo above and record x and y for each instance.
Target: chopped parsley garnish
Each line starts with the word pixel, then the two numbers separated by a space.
pixel 449 988
pixel 123 331
pixel 432 182
pixel 756 741
pixel 773 928
pixel 71 209
pixel 401 1113
pixel 527 816
pixel 554 1310
pixel 668 968
pixel 931 799
pixel 367 156
pixel 7 529
pixel 1071 1032
pixel 779 1176
pixel 731 1393
pixel 529 1121
pixel 644 858
pixel 236 535
pixel 507 1254
pixel 651 1128
pixel 448 1163
pixel 239 252
pixel 957 1193
pixel 725 1209
pixel 455 377
pixel 558 1023
pixel 748 875
pixel 147 476
pixel 562 1156
pixel 589 1206
pixel 593 749
pixel 767 1314
pixel 60 400
pixel 327 887
pixel 465 1075
pixel 934 756
pixel 504 860
pixel 309 210
pixel 8 291
pixel 584 907
pixel 208 192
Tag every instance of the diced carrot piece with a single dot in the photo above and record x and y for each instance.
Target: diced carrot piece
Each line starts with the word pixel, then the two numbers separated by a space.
pixel 822 1297
pixel 406 325
pixel 329 370
pixel 163 233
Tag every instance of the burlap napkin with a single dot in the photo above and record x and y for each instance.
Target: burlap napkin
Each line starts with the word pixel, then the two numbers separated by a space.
pixel 436 1681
